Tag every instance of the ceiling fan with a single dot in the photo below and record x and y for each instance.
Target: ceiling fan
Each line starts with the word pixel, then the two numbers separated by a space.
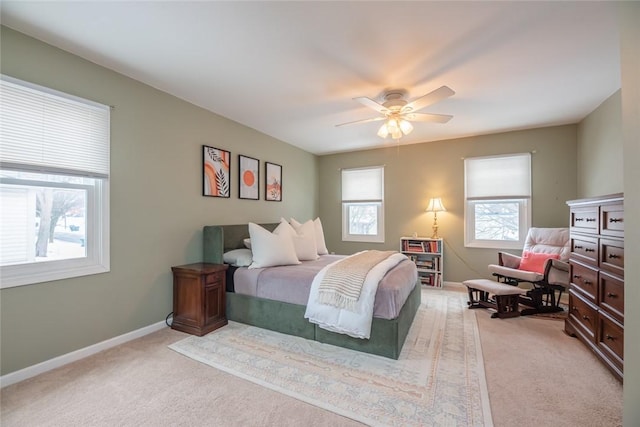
pixel 397 112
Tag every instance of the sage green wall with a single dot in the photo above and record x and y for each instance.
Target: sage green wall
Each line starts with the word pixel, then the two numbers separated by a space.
pixel 600 143
pixel 414 173
pixel 157 207
pixel 630 67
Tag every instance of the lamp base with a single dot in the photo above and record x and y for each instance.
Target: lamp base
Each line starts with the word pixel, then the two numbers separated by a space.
pixel 435 230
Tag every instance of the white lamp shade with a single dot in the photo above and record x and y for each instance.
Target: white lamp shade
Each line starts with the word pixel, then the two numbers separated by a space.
pixel 435 205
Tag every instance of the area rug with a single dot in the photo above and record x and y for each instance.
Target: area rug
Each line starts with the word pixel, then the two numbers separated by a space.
pixel 438 380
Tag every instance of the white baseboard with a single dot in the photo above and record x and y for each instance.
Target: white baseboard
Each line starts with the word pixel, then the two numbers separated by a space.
pixel 56 362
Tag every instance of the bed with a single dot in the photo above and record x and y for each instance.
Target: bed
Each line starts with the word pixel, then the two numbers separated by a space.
pixel 387 334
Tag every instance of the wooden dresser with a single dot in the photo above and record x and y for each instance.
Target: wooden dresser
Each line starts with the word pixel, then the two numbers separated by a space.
pixel 596 293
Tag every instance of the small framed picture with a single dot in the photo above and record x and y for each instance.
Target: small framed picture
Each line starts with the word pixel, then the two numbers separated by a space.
pixel 216 168
pixel 273 182
pixel 249 178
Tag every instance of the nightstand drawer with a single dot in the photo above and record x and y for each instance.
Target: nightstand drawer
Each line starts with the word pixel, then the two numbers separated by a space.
pixel 212 278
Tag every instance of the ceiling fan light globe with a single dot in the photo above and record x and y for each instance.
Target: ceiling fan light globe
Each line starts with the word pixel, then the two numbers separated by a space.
pixel 406 127
pixel 392 126
pixel 383 132
pixel 397 134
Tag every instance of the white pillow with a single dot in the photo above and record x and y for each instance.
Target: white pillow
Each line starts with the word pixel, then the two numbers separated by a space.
pixel 304 239
pixel 238 257
pixel 270 249
pixel 247 243
pixel 320 243
pixel 321 246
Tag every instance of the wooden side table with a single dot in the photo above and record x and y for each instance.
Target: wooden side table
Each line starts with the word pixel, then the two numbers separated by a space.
pixel 199 298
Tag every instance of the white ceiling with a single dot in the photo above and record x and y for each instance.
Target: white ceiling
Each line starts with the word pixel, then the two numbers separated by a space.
pixel 291 69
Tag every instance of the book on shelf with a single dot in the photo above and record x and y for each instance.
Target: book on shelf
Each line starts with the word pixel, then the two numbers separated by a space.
pixel 430 246
pixel 431 280
pixel 428 264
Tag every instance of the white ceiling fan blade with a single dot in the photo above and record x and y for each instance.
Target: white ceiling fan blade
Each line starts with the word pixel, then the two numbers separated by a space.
pixel 375 119
pixel 428 99
pixel 368 102
pixel 426 117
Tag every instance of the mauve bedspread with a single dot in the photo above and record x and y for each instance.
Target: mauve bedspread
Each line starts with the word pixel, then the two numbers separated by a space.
pixel 292 284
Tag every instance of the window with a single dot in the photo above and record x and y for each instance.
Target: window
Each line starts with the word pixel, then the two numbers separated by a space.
pixel 54 185
pixel 497 201
pixel 363 204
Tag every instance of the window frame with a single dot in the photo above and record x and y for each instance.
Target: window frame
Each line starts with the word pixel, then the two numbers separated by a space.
pixel 378 237
pixel 524 213
pixel 524 210
pixel 97 221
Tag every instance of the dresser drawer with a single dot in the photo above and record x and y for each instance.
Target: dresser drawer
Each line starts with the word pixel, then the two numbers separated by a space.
pixel 612 256
pixel 585 219
pixel 585 249
pixel 612 296
pixel 585 280
pixel 583 315
pixel 612 220
pixel 611 339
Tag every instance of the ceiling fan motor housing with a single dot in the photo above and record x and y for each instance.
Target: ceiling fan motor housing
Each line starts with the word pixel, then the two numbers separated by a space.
pixel 394 100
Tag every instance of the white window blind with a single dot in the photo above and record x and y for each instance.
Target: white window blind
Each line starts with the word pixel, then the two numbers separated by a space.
pixel 506 176
pixel 363 204
pixel 45 130
pixel 497 201
pixel 362 184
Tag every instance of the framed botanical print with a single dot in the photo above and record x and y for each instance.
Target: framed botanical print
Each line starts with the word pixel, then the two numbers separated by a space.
pixel 249 178
pixel 216 168
pixel 273 182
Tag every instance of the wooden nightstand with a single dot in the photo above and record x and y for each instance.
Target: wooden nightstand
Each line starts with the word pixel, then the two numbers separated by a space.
pixel 199 298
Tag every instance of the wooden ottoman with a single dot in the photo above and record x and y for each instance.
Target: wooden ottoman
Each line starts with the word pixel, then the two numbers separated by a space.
pixel 504 301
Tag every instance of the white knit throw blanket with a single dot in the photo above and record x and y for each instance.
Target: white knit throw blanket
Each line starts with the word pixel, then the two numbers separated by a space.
pixel 342 284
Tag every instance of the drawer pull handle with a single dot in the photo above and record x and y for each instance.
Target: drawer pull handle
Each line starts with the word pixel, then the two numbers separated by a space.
pixel 591 219
pixel 576 276
pixel 614 256
pixel 585 317
pixel 589 250
pixel 578 247
pixel 610 338
pixel 616 219
pixel 574 308
pixel 611 295
pixel 587 282
pixel 579 219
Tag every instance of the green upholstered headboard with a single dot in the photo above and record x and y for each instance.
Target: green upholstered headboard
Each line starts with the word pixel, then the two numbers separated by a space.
pixel 218 239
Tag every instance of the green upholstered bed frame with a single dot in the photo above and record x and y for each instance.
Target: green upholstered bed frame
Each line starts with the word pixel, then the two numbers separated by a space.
pixel 387 336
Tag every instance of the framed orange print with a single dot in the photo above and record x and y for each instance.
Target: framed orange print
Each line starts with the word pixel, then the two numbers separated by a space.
pixel 216 168
pixel 273 182
pixel 249 178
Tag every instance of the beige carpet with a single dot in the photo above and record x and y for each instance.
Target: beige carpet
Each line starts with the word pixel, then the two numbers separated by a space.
pixel 438 378
pixel 536 376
